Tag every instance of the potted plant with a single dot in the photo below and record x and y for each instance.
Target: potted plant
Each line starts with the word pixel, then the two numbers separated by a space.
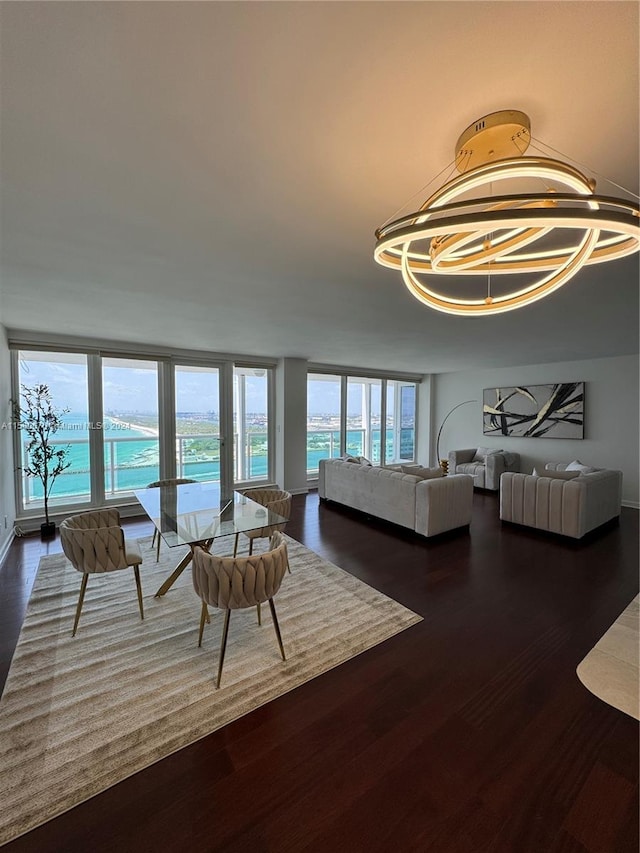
pixel 40 419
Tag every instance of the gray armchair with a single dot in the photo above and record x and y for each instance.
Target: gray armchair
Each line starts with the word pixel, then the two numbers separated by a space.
pixel 547 500
pixel 485 465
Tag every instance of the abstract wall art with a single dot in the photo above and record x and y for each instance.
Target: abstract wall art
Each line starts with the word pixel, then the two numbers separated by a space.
pixel 535 411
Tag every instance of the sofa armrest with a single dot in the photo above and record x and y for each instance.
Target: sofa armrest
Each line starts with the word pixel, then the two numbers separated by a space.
pixel 321 478
pixel 459 457
pixel 497 464
pixel 443 503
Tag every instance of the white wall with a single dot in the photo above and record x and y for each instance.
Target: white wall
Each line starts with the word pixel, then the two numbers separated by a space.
pixel 425 420
pixel 291 425
pixel 611 415
pixel 7 494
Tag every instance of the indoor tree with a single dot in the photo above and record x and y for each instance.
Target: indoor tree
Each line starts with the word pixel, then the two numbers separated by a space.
pixel 36 415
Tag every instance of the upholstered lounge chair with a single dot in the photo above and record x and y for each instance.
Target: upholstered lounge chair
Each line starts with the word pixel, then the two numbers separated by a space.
pixel 233 583
pixel 571 507
pixel 486 466
pixel 94 542
pixel 276 500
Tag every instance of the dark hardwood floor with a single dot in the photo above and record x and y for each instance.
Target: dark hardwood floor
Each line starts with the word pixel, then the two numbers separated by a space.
pixel 467 732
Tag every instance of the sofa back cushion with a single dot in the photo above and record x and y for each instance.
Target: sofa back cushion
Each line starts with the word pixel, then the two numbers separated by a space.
pixel 556 475
pixel 576 465
pixel 423 473
pixel 482 453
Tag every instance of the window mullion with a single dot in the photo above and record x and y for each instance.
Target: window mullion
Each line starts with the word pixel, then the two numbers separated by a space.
pixel 343 415
pixel 96 431
pixel 167 419
pixel 383 422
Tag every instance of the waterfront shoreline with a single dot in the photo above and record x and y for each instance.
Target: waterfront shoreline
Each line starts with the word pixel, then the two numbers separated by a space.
pixel 150 431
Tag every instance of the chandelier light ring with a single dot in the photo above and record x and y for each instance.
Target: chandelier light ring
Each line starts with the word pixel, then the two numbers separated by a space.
pixel 393 245
pixel 493 246
pixel 444 252
pixel 518 167
pixel 554 232
pixel 516 299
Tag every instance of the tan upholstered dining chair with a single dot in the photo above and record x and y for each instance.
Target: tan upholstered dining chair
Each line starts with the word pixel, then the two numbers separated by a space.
pixel 234 583
pixel 94 542
pixel 276 500
pixel 176 481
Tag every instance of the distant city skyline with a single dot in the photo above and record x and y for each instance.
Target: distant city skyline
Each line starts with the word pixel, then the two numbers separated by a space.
pixel 196 393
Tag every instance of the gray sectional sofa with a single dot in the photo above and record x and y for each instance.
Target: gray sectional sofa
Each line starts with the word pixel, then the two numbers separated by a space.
pixel 427 506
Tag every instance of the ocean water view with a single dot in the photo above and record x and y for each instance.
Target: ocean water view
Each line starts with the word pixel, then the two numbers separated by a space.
pixel 131 455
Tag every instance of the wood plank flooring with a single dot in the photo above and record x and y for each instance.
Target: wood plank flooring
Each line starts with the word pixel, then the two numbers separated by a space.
pixel 468 732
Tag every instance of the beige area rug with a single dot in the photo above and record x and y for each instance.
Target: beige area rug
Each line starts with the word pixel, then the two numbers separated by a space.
pixel 611 669
pixel 80 714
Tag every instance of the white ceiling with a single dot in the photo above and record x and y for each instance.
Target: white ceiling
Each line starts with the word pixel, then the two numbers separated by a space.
pixel 210 175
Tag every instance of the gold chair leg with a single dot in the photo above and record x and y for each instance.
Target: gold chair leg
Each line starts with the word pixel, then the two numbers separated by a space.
pixel 223 645
pixel 288 565
pixel 175 574
pixel 136 571
pixel 259 614
pixel 204 617
pixel 83 586
pixel 276 626
pixel 235 547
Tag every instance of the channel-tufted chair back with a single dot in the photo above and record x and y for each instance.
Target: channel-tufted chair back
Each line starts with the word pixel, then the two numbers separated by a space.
pixel 94 542
pixel 171 481
pixel 276 500
pixel 233 583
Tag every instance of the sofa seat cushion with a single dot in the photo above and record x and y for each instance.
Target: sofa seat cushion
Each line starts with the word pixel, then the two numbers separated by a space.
pixel 423 473
pixel 473 469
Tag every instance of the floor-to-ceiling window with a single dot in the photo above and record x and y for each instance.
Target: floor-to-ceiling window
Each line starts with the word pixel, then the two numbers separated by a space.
pixel 368 416
pixel 324 408
pixel 364 423
pixel 197 420
pixel 252 444
pixel 65 375
pixel 400 444
pixel 126 414
pixel 130 425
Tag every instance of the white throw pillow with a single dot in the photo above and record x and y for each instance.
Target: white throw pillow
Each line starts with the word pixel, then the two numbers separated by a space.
pixel 363 460
pixel 556 475
pixel 423 473
pixel 482 453
pixel 576 465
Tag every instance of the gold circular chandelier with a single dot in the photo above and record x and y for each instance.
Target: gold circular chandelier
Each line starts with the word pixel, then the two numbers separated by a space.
pixel 543 234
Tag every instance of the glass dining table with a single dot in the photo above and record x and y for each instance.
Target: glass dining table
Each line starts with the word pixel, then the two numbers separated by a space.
pixel 195 514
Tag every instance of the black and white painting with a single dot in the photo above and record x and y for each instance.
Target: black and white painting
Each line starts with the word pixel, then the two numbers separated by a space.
pixel 535 411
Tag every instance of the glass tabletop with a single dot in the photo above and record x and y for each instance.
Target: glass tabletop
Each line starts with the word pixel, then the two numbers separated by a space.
pixel 197 512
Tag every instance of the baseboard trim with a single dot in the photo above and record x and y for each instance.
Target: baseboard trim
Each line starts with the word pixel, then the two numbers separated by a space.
pixel 631 504
pixel 4 550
